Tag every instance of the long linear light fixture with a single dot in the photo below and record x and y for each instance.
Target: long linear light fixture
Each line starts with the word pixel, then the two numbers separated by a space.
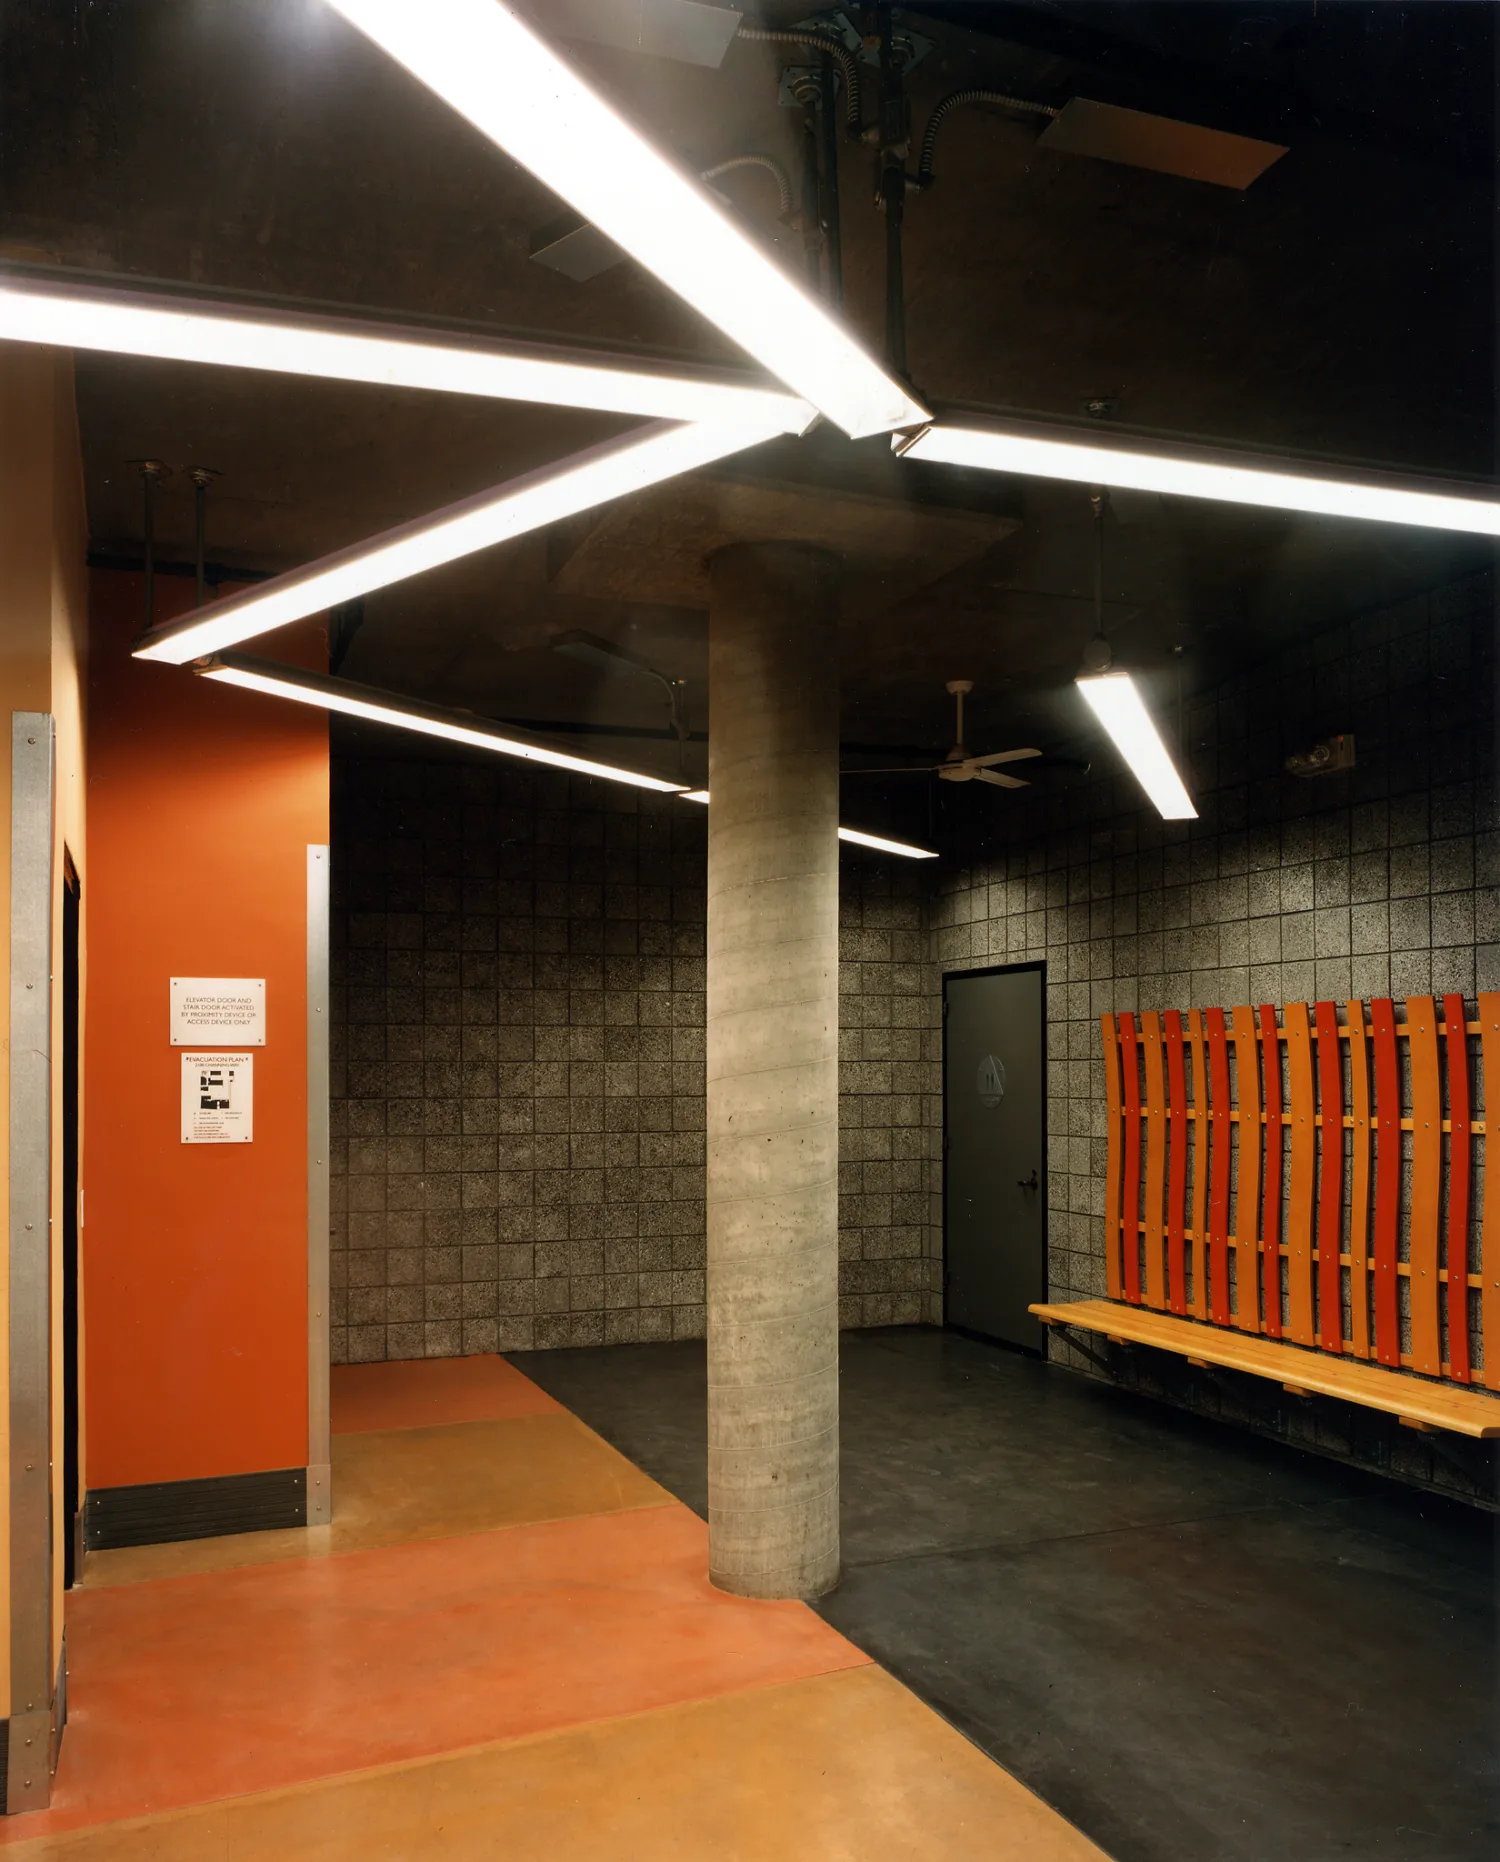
pixel 44 306
pixel 856 837
pixel 367 702
pixel 510 84
pixel 645 457
pixel 1037 450
pixel 1114 700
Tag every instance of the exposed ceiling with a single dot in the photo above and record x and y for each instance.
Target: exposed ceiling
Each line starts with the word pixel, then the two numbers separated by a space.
pixel 1343 305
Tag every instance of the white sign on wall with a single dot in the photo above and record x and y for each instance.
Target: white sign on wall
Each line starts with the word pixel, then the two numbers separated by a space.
pixel 218 1098
pixel 218 1011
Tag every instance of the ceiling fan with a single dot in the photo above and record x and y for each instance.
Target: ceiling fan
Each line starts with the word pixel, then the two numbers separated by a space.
pixel 959 766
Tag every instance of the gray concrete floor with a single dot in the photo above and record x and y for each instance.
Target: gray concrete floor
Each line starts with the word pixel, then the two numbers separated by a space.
pixel 1193 1643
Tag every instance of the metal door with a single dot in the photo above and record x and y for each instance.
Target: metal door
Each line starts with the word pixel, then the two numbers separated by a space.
pixel 994 1152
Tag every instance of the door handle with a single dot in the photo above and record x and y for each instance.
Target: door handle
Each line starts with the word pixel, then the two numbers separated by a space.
pixel 1028 1183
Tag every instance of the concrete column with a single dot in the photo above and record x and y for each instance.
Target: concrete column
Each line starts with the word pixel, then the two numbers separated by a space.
pixel 773 1390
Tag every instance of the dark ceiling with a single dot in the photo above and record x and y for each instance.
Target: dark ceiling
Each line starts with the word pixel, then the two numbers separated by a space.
pixel 1343 305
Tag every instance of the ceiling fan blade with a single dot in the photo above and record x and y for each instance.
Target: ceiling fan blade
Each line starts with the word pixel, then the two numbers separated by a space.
pixel 1000 782
pixel 1000 756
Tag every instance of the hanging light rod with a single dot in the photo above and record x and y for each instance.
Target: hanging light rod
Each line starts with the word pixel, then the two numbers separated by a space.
pixel 856 837
pixel 1038 450
pixel 645 457
pixel 1115 701
pixel 516 90
pixel 367 702
pixel 46 305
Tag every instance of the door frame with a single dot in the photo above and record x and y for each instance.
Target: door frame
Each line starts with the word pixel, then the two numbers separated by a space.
pixel 70 981
pixel 999 969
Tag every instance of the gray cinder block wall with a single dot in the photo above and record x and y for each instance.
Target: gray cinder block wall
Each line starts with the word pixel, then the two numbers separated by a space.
pixel 518 1067
pixel 1382 881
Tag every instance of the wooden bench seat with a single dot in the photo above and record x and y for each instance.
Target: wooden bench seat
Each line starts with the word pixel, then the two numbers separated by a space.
pixel 1415 1401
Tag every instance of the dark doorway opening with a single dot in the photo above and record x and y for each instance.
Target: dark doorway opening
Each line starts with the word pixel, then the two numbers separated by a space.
pixel 72 1559
pixel 995 1152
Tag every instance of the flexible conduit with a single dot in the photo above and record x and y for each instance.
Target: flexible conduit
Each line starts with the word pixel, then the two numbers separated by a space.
pixel 832 48
pixel 953 102
pixel 773 168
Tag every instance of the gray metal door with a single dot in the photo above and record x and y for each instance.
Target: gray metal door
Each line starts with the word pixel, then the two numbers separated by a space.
pixel 995 1174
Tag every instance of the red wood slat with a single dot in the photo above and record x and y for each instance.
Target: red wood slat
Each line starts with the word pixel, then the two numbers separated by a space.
pixel 1426 1182
pixel 1359 1204
pixel 1460 1155
pixel 1112 1281
pixel 1387 1179
pixel 1270 1041
pixel 1299 1213
pixel 1330 1178
pixel 1489 1241
pixel 1177 1126
pixel 1200 1165
pixel 1218 1173
pixel 1130 1234
pixel 1247 1207
pixel 1156 1161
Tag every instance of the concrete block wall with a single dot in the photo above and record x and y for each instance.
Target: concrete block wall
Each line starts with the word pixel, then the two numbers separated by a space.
pixel 518 1093
pixel 1382 881
pixel 890 1105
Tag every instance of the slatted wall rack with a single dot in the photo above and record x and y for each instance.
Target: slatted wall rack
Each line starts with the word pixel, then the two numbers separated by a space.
pixel 1225 1202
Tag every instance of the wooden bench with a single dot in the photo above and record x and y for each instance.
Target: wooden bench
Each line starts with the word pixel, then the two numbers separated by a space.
pixel 1295 1199
pixel 1414 1401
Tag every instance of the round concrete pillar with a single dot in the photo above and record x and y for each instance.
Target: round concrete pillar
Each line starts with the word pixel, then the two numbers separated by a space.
pixel 773 901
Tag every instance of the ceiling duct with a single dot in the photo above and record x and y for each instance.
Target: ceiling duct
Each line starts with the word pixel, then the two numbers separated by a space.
pixel 695 32
pixel 1163 143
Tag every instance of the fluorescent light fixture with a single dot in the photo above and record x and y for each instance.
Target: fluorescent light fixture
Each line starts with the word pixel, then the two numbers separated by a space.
pixel 644 457
pixel 514 88
pixel 377 707
pixel 1206 472
pixel 881 845
pixel 45 307
pixel 1117 705
pixel 854 836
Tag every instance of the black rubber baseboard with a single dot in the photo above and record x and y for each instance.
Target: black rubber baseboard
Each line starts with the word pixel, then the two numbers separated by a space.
pixel 161 1511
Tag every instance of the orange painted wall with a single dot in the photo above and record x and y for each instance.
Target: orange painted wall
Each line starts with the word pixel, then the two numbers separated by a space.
pixel 202 801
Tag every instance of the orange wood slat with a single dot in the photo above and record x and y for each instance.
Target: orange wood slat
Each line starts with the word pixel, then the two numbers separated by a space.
pixel 1330 1178
pixel 1426 1182
pixel 1131 1195
pixel 1247 1206
pixel 1270 1041
pixel 1112 1165
pixel 1299 1215
pixel 1460 1151
pixel 1156 1160
pixel 1218 1171
pixel 1387 1179
pixel 1177 1125
pixel 1200 1165
pixel 1489 1244
pixel 1359 1202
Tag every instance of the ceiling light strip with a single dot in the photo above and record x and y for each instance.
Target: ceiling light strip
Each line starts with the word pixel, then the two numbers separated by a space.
pixel 373 706
pixel 43 307
pixel 645 457
pixel 1034 450
pixel 516 90
pixel 856 837
pixel 1114 700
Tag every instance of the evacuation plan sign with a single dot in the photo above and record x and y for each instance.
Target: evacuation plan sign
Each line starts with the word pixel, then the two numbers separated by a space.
pixel 218 1011
pixel 218 1098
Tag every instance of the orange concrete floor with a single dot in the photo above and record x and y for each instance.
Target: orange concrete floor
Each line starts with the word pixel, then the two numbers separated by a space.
pixel 512 1649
